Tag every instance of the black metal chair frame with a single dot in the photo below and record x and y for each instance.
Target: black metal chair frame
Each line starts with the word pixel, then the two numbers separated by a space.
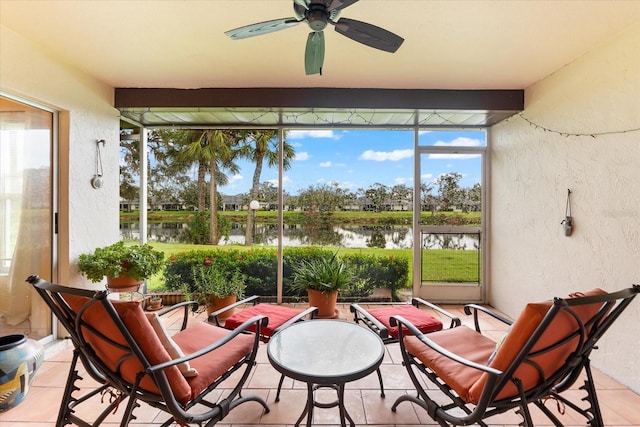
pixel 309 312
pixel 112 384
pixel 587 335
pixel 362 315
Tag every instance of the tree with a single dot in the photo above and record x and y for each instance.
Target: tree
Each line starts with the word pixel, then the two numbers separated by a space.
pixel 428 200
pixel 402 195
pixel 259 146
pixel 377 194
pixel 216 149
pixel 129 190
pixel 448 189
pixel 322 198
pixel 267 192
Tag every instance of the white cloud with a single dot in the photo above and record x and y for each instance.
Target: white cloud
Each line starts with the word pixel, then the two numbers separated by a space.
pixel 460 142
pixel 300 134
pixel 303 155
pixel 286 181
pixel 401 180
pixel 325 164
pixel 236 177
pixel 381 156
pixel 453 156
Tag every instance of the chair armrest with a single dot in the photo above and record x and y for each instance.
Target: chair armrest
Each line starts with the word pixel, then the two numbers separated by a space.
pixel 476 308
pixel 443 351
pixel 312 311
pixel 259 321
pixel 455 320
pixel 213 317
pixel 360 313
pixel 185 317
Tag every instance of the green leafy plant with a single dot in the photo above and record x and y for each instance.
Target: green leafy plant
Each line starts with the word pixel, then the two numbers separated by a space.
pixel 212 282
pixel 135 261
pixel 324 274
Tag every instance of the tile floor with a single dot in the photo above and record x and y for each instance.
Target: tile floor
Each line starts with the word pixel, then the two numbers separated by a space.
pixel 620 406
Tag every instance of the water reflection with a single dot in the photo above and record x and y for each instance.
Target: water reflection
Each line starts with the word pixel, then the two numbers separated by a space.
pixel 348 236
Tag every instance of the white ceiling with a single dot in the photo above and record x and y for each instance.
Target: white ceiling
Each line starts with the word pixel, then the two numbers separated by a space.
pixel 448 44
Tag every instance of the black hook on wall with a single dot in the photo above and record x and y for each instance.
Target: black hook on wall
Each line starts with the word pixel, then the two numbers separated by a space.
pixel 567 222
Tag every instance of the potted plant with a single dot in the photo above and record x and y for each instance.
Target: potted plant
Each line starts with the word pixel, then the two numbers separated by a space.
pixel 214 289
pixel 155 303
pixel 322 278
pixel 124 266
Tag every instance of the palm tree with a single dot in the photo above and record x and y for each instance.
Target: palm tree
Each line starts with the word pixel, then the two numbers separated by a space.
pixel 213 150
pixel 258 146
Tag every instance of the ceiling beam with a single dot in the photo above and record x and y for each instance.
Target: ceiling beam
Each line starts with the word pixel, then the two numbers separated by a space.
pixel 504 100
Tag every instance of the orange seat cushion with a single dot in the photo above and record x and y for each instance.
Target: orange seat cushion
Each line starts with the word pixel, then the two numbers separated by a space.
pixel 423 321
pixel 277 314
pixel 214 364
pixel 120 361
pixel 462 341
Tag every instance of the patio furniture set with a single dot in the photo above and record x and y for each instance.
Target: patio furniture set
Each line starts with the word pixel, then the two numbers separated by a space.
pixel 127 351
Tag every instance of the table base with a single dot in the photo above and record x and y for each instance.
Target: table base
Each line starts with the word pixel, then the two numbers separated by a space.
pixel 312 403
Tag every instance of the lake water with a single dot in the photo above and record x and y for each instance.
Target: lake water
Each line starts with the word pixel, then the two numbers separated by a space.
pixel 351 236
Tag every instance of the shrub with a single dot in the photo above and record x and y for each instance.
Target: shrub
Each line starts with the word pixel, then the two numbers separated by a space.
pixel 259 268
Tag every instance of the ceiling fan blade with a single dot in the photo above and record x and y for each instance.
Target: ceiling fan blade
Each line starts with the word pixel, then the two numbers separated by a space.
pixel 261 28
pixel 303 3
pixel 314 53
pixel 338 4
pixel 368 34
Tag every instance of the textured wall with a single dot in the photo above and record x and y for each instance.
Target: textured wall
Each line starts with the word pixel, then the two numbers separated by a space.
pixel 532 169
pixel 88 217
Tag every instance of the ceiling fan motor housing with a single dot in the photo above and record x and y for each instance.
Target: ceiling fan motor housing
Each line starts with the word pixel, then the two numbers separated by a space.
pixel 317 16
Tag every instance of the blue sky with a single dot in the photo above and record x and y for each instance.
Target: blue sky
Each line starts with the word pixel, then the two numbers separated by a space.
pixel 360 158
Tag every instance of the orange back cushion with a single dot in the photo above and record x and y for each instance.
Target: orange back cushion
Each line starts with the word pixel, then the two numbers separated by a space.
pixel 521 330
pixel 120 361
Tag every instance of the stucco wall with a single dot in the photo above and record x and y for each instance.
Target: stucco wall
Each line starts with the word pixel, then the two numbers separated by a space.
pixel 88 217
pixel 532 169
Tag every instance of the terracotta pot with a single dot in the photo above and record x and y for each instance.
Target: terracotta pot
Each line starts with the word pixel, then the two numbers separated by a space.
pixel 123 284
pixel 326 303
pixel 155 304
pixel 216 304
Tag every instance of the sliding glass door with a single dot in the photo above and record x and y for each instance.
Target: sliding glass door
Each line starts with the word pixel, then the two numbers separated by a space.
pixel 26 215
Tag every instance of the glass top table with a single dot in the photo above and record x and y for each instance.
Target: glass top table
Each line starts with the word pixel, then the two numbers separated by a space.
pixel 325 353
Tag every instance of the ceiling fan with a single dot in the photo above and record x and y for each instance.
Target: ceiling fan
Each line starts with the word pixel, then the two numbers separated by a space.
pixel 317 14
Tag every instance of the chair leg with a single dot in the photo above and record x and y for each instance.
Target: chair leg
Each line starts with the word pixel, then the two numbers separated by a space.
pixel 524 405
pixel 592 397
pixel 69 388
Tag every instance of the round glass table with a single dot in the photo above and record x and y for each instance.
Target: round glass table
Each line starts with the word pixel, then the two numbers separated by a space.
pixel 325 353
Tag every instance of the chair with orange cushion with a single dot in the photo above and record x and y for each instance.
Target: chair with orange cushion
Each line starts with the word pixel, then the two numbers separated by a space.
pixel 425 316
pixel 545 350
pixel 279 316
pixel 130 355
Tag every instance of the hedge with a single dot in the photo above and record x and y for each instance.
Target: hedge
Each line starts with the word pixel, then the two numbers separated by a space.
pixel 260 268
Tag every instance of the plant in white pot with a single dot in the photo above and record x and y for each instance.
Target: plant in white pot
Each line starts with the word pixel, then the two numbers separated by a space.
pixel 322 278
pixel 124 266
